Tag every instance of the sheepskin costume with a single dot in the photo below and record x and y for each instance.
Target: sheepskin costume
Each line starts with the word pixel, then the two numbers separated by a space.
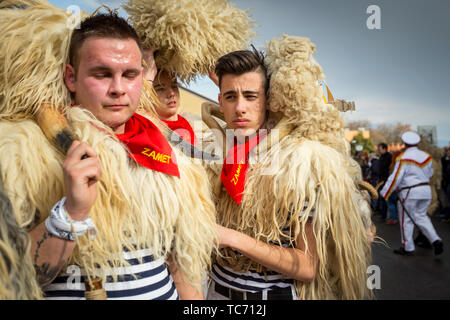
pixel 303 169
pixel 33 49
pixel 136 208
pixel 17 275
pixel 190 35
pixel 435 181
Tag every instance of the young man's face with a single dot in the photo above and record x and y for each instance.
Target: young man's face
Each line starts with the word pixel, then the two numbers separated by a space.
pixel 168 93
pixel 381 150
pixel 108 81
pixel 243 102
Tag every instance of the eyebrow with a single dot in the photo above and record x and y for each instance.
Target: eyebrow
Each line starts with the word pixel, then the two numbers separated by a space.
pixel 244 92
pixel 103 68
pixel 98 68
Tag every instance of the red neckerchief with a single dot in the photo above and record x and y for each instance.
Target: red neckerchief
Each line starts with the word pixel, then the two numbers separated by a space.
pixel 148 146
pixel 182 128
pixel 235 166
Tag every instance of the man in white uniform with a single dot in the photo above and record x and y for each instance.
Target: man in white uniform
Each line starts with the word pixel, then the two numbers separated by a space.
pixel 411 179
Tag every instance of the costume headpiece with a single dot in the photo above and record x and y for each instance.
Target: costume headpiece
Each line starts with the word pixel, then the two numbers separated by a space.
pixel 30 75
pixel 296 91
pixel 190 35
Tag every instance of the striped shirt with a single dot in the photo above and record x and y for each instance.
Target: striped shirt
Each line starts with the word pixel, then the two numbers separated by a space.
pixel 146 279
pixel 250 281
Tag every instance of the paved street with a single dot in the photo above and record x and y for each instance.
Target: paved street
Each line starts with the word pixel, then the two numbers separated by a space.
pixel 422 276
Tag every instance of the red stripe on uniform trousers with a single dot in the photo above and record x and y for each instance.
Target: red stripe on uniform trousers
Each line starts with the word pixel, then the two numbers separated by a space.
pixel 403 228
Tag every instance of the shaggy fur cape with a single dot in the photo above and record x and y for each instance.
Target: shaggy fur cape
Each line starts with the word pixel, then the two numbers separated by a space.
pixel 33 51
pixel 308 171
pixel 17 275
pixel 136 207
pixel 190 35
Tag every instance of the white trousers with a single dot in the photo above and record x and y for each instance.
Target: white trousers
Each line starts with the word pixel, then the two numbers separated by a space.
pixel 417 209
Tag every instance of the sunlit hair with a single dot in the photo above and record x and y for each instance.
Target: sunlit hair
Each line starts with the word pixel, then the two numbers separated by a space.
pixel 100 26
pixel 240 62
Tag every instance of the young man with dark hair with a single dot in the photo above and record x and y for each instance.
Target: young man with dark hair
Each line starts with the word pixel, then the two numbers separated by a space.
pixel 107 26
pixel 112 222
pixel 269 248
pixel 242 78
pixel 105 69
pixel 242 99
pixel 385 162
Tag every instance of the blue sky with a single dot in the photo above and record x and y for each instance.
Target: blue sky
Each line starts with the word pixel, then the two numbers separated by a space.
pixel 399 73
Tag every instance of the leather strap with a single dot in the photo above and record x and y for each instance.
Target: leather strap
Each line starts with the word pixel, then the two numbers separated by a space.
pixel 416 185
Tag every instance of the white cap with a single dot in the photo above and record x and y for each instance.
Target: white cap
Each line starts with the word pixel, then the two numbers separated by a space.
pixel 411 138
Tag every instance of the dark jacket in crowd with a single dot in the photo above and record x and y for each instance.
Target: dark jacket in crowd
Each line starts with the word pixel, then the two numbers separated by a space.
pixel 384 163
pixel 445 172
pixel 374 171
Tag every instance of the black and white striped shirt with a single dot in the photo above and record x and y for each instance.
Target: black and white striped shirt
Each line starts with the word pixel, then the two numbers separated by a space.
pixel 148 279
pixel 250 281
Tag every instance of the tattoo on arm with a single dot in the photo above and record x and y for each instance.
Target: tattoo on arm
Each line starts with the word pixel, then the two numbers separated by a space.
pixel 45 272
